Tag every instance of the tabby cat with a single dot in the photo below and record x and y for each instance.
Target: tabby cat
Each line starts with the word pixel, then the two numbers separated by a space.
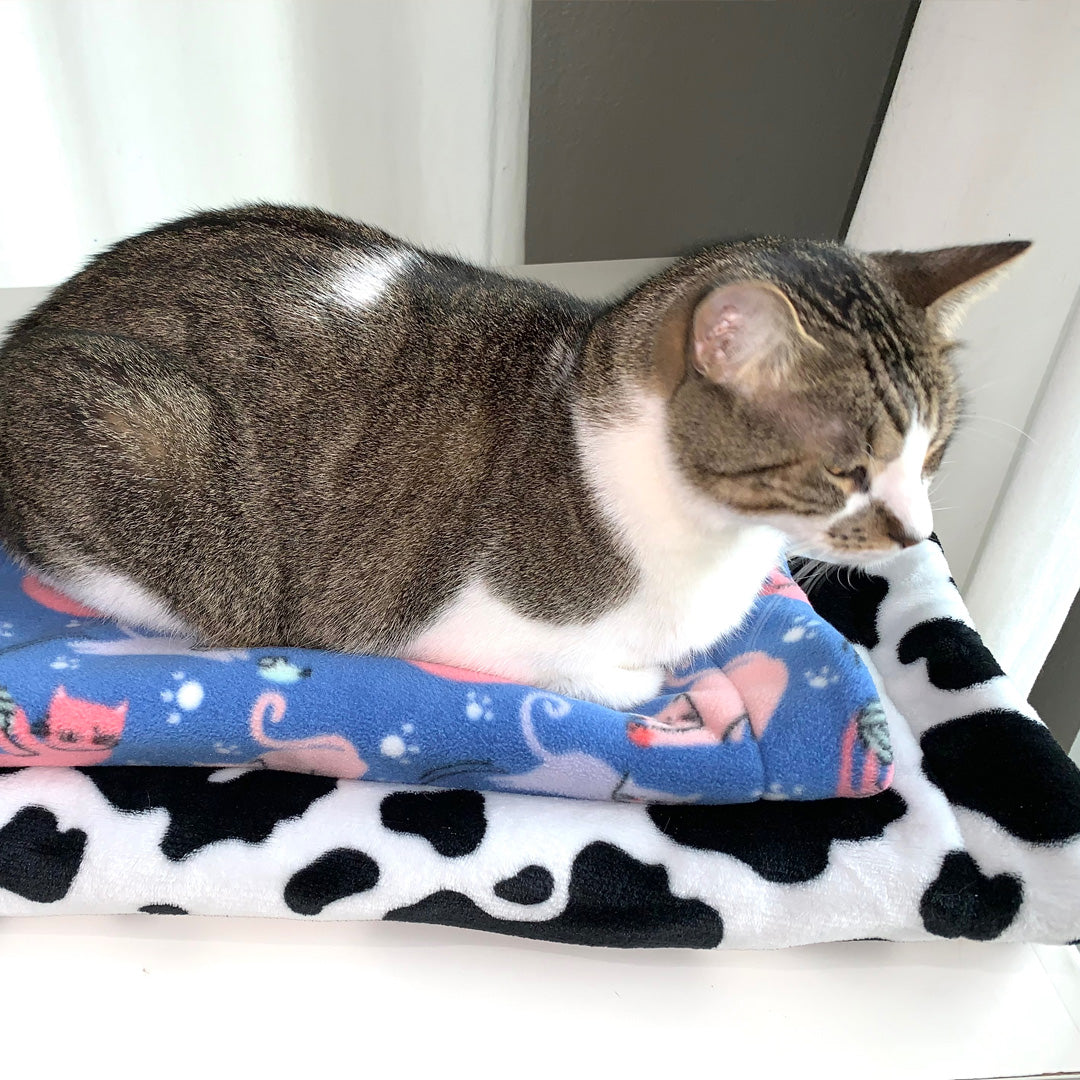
pixel 274 426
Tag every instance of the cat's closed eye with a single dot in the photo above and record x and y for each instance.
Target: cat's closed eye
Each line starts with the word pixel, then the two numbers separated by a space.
pixel 853 475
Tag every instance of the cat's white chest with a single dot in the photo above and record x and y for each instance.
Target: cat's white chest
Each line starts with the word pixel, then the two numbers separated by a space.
pixel 686 602
pixel 619 657
pixel 699 565
pixel 698 570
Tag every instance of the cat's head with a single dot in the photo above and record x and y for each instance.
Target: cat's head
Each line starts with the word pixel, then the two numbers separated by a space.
pixel 812 388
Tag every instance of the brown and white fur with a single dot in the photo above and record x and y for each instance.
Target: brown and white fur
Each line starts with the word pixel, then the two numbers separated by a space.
pixel 273 426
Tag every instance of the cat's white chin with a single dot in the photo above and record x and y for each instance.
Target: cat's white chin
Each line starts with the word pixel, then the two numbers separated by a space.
pixel 859 560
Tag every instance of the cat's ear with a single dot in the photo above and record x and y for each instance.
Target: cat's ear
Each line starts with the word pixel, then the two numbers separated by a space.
pixel 945 282
pixel 747 335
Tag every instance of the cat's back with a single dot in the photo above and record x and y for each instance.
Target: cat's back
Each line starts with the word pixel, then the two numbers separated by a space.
pixel 275 283
pixel 220 257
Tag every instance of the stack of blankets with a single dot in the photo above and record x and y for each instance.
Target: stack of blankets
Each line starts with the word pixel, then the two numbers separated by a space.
pixel 858 766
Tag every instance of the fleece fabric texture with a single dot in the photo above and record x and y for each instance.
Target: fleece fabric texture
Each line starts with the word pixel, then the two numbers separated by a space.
pixel 978 837
pixel 784 708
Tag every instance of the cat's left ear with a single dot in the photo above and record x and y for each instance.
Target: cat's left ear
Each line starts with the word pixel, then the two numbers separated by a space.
pixel 747 336
pixel 946 281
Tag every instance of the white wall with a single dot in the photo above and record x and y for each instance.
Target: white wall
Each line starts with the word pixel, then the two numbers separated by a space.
pixel 120 113
pixel 982 142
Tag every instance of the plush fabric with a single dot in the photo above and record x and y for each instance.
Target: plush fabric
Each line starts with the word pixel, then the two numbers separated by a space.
pixel 979 836
pixel 782 709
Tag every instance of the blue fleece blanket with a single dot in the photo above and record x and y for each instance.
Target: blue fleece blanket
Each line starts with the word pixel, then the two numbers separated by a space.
pixel 783 709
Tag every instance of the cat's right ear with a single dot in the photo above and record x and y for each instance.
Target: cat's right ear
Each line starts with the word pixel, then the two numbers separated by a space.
pixel 944 282
pixel 747 336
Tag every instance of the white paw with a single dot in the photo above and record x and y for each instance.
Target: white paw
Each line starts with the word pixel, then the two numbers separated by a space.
pixel 617 687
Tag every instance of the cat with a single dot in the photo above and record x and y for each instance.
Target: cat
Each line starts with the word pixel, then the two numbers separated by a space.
pixel 74 731
pixel 272 426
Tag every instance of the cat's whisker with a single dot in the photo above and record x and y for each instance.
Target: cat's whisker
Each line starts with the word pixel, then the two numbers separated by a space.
pixel 814 573
pixel 812 576
pixel 975 391
pixel 998 439
pixel 968 417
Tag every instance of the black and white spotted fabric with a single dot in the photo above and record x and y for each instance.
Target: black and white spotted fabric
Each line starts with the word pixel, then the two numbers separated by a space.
pixel 979 836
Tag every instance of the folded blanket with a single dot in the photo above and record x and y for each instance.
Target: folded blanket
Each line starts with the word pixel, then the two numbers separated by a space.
pixel 978 837
pixel 782 709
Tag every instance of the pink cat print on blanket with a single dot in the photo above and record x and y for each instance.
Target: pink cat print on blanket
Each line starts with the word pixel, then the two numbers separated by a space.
pixel 779 584
pixel 49 597
pixel 74 731
pixel 718 705
pixel 325 755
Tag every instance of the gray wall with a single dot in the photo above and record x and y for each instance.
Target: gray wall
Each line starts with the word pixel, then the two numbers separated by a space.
pixel 658 124
pixel 1056 693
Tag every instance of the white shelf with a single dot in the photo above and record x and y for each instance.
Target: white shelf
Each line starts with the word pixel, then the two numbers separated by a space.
pixel 259 998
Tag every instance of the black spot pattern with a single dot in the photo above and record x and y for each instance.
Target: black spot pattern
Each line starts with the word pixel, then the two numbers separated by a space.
pixel 934 540
pixel 531 885
pixel 955 655
pixel 451 821
pixel 851 608
pixel 247 807
pixel 963 902
pixel 162 909
pixel 1008 767
pixel 614 900
pixel 336 874
pixel 784 842
pixel 37 861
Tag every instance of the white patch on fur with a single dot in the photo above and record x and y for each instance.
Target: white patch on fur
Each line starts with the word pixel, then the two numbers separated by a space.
pixel 700 569
pixel 117 596
pixel 900 485
pixel 367 279
pixel 563 359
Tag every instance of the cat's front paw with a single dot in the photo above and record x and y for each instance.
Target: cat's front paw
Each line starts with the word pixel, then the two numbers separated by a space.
pixel 615 687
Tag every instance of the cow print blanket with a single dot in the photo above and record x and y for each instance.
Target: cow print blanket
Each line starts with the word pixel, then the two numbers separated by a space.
pixel 978 837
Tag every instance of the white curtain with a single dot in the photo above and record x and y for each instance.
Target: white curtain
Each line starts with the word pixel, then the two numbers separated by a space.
pixel 411 114
pixel 982 142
